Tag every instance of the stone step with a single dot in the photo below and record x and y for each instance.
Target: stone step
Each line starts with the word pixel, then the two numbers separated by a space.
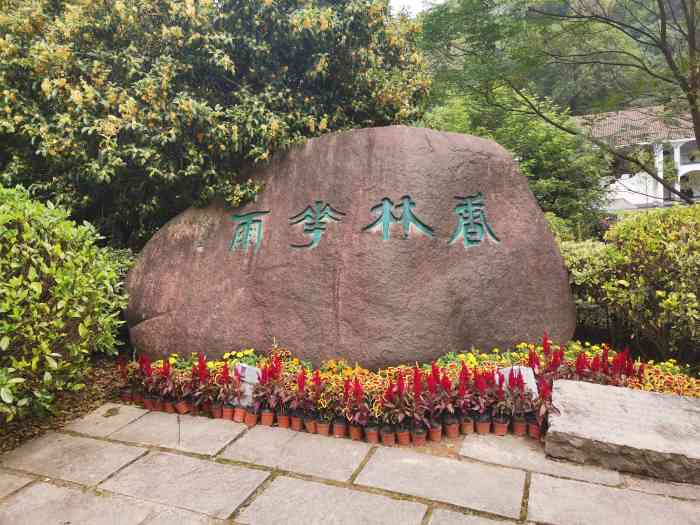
pixel 627 430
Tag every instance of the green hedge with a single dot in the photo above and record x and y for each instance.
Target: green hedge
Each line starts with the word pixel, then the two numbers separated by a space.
pixel 643 282
pixel 60 299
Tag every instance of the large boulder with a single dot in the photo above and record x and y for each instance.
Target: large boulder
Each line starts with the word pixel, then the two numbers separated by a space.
pixel 380 246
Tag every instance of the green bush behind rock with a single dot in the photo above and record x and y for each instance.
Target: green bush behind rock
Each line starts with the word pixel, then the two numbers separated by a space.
pixel 643 282
pixel 60 300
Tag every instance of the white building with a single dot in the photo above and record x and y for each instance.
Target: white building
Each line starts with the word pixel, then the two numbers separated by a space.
pixel 667 140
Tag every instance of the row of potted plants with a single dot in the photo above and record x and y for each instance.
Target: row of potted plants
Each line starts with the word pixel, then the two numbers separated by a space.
pixel 401 404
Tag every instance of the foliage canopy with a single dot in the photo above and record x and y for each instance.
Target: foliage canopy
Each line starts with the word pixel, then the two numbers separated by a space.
pixel 60 299
pixel 130 111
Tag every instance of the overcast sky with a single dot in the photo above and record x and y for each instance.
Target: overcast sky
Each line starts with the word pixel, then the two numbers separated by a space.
pixel 412 6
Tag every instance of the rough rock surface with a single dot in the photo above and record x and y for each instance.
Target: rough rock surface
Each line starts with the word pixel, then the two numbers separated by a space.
pixel 355 287
pixel 627 430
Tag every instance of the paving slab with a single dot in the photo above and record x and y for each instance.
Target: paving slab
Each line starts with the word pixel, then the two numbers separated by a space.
pixel 664 488
pixel 310 454
pixel 290 501
pixel 528 454
pixel 171 516
pixel 200 435
pixel 475 486
pixel 448 517
pixel 628 430
pixel 566 502
pixel 71 458
pixel 193 484
pixel 9 482
pixel 107 419
pixel 46 504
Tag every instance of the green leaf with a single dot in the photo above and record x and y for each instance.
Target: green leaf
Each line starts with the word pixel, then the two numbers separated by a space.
pixel 36 287
pixel 51 362
pixel 6 395
pixel 4 343
pixel 47 377
pixel 82 330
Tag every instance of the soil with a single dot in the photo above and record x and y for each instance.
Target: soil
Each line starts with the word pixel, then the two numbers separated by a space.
pixel 100 387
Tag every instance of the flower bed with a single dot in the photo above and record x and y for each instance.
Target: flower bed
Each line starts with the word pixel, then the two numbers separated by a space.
pixel 459 393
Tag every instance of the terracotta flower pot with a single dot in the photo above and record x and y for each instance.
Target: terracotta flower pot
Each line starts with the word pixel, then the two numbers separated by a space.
pixel 205 408
pixel 227 412
pixel 534 430
pixel 217 410
pixel 251 419
pixel 182 407
pixel 125 395
pixel 297 424
pixel 483 427
pixel 388 438
pixel 138 398
pixel 283 420
pixel 435 433
pixel 356 432
pixel 340 430
pixel 157 404
pixel 467 426
pixel 267 418
pixel 451 430
pixel 419 438
pixel 500 428
pixel 239 414
pixel 194 409
pixel 323 428
pixel 310 425
pixel 519 427
pixel 372 435
pixel 169 407
pixel 148 403
pixel 403 437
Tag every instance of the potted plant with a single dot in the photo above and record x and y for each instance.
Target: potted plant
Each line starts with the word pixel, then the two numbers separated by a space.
pixel 229 392
pixel 397 408
pixel 183 393
pixel 481 402
pixel 357 411
pixel 206 390
pixel 372 431
pixel 463 402
pixel 543 407
pixel 166 386
pixel 437 400
pixel 268 392
pixel 299 402
pixel 501 410
pixel 521 400
pixel 419 430
pixel 325 407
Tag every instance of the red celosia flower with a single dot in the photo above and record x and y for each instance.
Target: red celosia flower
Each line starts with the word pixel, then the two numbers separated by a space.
pixel 417 382
pixel 202 368
pixel 432 383
pixel 582 363
pixel 264 375
pixel 276 367
pixel 606 360
pixel 533 360
pixel 545 390
pixel 546 344
pixel 389 393
pixel 358 391
pixel 595 364
pixel 446 383
pixel 463 374
pixel 316 379
pixel 145 365
pixel 480 383
pixel 435 372
pixel 400 383
pixel 301 380
pixel 225 375
pixel 346 391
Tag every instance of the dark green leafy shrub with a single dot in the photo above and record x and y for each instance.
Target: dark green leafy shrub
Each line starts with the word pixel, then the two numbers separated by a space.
pixel 60 300
pixel 644 282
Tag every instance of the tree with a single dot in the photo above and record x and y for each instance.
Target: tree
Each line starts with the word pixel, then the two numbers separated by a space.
pixel 130 111
pixel 649 45
pixel 564 171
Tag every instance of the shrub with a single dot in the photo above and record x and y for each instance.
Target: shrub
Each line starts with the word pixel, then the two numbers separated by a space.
pixel 60 300
pixel 644 280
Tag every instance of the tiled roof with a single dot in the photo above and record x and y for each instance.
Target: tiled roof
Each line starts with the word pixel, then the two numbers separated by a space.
pixel 636 126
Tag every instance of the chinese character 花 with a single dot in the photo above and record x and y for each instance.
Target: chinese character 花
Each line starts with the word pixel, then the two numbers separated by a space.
pixel 472 224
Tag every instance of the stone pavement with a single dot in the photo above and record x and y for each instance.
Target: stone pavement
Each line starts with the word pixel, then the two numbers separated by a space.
pixel 122 465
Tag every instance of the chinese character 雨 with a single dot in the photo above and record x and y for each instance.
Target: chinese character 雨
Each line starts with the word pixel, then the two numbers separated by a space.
pixel 249 230
pixel 472 224
pixel 314 219
pixel 407 219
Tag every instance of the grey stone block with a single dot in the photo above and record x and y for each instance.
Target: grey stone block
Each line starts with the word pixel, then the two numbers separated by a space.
pixel 46 504
pixel 107 419
pixel 193 484
pixel 471 485
pixel 170 516
pixel 200 435
pixel 295 502
pixel 628 430
pixel 566 502
pixel 310 454
pixel 9 482
pixel 448 517
pixel 60 456
pixel 664 488
pixel 528 454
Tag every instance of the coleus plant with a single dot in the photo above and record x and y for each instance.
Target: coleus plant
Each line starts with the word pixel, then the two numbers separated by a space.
pixel 397 403
pixel 356 407
pixel 269 393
